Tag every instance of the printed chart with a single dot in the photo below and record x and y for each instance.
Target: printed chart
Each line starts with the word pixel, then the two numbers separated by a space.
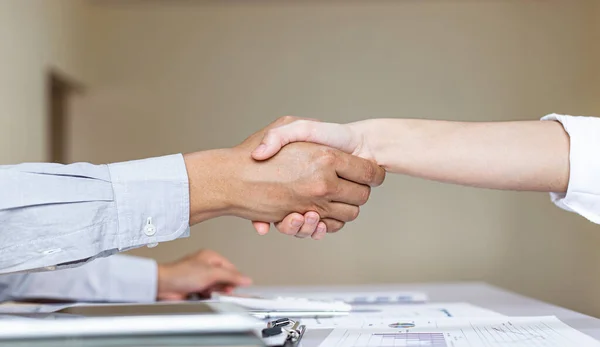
pixel 472 332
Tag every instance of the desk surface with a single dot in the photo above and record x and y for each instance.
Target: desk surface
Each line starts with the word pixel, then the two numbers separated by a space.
pixel 480 294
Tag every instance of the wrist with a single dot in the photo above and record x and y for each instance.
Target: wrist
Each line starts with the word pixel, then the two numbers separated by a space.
pixel 161 281
pixel 209 181
pixel 371 139
pixel 382 141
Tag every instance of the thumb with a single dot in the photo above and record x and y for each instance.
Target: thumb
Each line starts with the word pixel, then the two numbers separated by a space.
pixel 229 277
pixel 329 134
pixel 276 138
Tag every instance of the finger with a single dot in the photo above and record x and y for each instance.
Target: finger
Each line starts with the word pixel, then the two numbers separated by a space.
pixel 320 232
pixel 287 120
pixel 311 220
pixel 281 121
pixel 332 225
pixel 218 288
pixel 351 193
pixel 262 228
pixel 330 134
pixel 210 257
pixel 219 260
pixel 359 170
pixel 172 297
pixel 342 212
pixel 291 224
pixel 223 276
pixel 222 288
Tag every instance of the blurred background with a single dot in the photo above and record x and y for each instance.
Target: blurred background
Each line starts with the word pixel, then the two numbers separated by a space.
pixel 106 80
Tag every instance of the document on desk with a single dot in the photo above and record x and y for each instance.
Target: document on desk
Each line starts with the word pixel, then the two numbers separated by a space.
pixel 366 298
pixel 382 316
pixel 465 332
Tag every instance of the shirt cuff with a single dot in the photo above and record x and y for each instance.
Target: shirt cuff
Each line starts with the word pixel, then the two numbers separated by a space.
pixel 132 279
pixel 583 192
pixel 152 199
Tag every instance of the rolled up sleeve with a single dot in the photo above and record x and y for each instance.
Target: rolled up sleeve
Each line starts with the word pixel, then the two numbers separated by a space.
pixel 57 216
pixel 583 192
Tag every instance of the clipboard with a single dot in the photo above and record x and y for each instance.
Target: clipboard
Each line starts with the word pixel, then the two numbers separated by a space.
pixel 283 333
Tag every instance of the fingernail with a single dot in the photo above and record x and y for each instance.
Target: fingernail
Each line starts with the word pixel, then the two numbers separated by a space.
pixel 260 149
pixel 311 219
pixel 296 222
pixel 246 280
pixel 321 229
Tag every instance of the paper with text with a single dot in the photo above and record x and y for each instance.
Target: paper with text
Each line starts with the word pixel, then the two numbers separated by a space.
pixel 465 332
pixel 367 298
pixel 382 316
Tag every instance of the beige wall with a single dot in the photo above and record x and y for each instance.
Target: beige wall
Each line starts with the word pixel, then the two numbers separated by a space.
pixel 596 52
pixel 35 35
pixel 190 76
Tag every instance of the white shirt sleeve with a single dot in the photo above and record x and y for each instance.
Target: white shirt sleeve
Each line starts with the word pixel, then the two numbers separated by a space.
pixel 119 278
pixel 59 216
pixel 583 192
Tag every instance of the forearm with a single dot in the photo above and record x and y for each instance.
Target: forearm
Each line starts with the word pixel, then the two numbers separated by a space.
pixel 527 155
pixel 208 173
pixel 60 216
pixel 114 279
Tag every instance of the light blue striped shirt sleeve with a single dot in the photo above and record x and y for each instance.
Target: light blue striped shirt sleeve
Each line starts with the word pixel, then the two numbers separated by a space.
pixel 119 278
pixel 57 216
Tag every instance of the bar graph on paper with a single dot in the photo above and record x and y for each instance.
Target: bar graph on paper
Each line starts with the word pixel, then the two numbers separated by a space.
pixel 456 332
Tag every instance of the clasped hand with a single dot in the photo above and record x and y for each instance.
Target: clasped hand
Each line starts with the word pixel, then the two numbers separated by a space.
pixel 305 189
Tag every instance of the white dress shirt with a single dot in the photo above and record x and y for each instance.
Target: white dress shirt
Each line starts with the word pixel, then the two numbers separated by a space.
pixel 583 192
pixel 118 278
pixel 58 216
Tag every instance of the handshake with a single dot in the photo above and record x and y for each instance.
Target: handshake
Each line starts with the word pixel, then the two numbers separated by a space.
pixel 305 189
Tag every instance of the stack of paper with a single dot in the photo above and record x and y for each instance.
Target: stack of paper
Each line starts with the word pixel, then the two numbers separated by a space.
pixel 368 298
pixel 463 332
pixel 383 317
pixel 386 323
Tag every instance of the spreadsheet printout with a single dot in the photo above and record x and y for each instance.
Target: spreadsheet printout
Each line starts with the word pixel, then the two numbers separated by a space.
pixel 365 298
pixel 471 332
pixel 384 316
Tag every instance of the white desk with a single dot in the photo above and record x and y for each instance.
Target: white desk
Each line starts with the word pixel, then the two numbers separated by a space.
pixel 479 294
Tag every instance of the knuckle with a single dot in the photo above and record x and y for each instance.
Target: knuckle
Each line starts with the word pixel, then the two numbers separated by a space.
pixel 287 229
pixel 322 209
pixel 383 175
pixel 203 254
pixel 287 119
pixel 270 133
pixel 322 188
pixel 327 157
pixel 370 172
pixel 272 136
pixel 365 194
pixel 334 227
pixel 354 214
